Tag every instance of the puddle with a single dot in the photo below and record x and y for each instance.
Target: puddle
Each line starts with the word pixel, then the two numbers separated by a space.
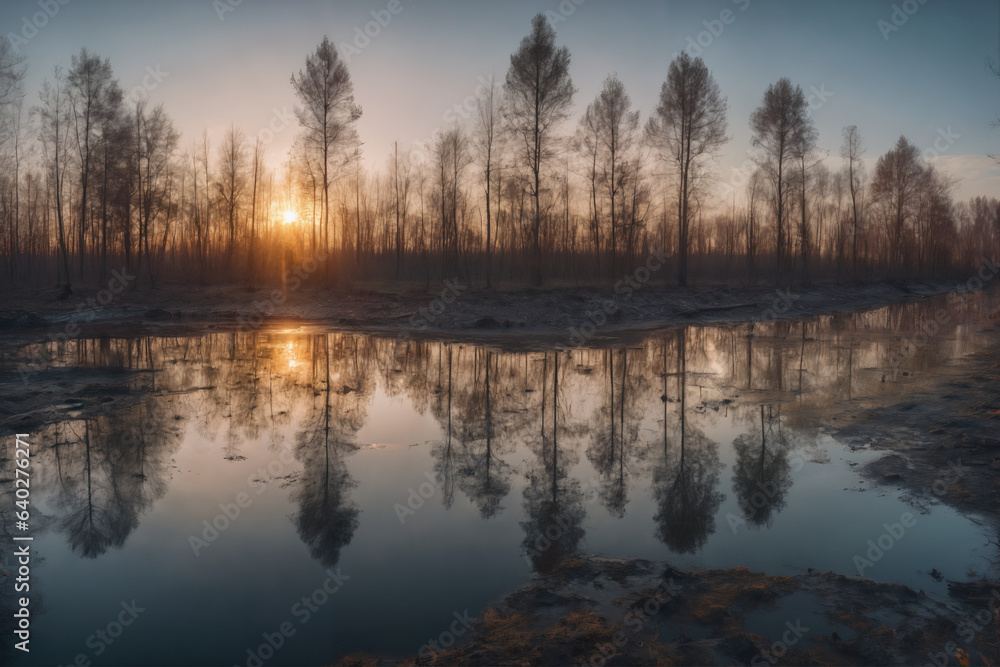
pixel 434 478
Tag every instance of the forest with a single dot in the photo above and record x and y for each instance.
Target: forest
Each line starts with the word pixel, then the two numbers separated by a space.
pixel 520 193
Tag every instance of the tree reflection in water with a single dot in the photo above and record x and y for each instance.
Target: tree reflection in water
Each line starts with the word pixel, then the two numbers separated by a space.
pixel 638 414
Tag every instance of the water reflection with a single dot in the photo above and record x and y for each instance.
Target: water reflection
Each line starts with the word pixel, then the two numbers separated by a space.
pixel 485 432
pixel 615 449
pixel 762 475
pixel 553 501
pixel 565 441
pixel 686 474
pixel 634 412
pixel 107 472
pixel 326 518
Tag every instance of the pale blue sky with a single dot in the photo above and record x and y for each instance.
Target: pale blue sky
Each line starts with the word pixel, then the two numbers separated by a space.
pixel 929 75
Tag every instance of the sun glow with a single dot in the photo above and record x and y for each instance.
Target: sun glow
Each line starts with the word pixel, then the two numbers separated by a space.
pixel 290 217
pixel 293 357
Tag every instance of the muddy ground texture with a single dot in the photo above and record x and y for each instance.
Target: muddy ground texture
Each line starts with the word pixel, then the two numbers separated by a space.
pixel 518 318
pixel 943 439
pixel 601 611
pixel 445 309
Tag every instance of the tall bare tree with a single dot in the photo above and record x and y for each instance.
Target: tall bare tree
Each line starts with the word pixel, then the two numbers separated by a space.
pixel 155 140
pixel 54 116
pixel 777 127
pixel 231 182
pixel 688 125
pixel 852 150
pixel 487 142
pixel 257 171
pixel 752 231
pixel 587 144
pixel 896 187
pixel 95 97
pixel 402 180
pixel 805 143
pixel 539 91
pixel 616 125
pixel 327 113
pixel 12 72
pixel 451 157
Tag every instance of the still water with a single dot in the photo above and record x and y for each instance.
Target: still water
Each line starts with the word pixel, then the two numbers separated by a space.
pixel 363 490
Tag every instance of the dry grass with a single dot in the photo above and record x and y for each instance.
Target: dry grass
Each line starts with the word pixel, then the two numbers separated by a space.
pixel 501 639
pixel 715 605
pixel 581 626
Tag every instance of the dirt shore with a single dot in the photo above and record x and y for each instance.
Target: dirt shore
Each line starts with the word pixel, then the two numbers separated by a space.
pixel 942 442
pixel 602 611
pixel 561 315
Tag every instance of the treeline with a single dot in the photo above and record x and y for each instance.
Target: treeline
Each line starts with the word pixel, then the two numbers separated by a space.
pixel 521 193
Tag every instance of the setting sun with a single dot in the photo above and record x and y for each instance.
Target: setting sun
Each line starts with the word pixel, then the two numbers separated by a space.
pixel 274 268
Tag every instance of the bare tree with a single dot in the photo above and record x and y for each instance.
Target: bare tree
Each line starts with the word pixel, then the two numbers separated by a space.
pixel 539 93
pixel 12 71
pixel 231 182
pixel 852 150
pixel 777 128
pixel 587 144
pixel 155 141
pixel 805 143
pixel 896 187
pixel 257 169
pixel 402 167
pixel 451 157
pixel 95 97
pixel 688 126
pixel 203 158
pixel 54 116
pixel 327 113
pixel 616 125
pixel 395 181
pixel 752 222
pixel 487 140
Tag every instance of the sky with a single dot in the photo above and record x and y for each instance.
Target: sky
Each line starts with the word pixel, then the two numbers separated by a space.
pixel 916 67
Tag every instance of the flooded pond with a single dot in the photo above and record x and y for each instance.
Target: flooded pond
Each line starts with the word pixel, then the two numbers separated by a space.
pixel 342 492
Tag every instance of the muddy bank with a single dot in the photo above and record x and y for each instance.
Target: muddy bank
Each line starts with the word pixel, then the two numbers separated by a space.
pixel 32 393
pixel 574 316
pixel 49 395
pixel 594 610
pixel 942 440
